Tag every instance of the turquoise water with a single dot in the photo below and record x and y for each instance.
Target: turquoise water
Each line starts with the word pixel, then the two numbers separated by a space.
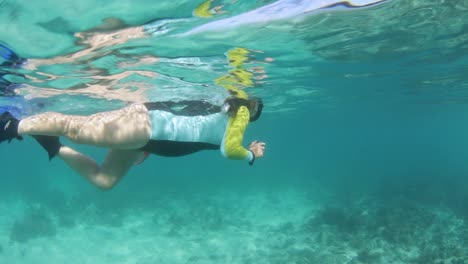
pixel 365 124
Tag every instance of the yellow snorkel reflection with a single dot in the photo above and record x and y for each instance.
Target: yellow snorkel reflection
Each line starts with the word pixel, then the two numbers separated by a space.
pixel 204 10
pixel 238 78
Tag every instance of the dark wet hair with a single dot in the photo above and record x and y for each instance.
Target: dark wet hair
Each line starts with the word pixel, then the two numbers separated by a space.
pixel 255 106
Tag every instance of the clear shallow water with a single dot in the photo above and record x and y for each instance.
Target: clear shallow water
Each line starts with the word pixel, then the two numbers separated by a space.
pixel 364 119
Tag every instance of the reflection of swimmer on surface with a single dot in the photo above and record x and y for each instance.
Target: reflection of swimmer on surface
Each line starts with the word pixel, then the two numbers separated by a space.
pixel 106 86
pixel 128 92
pixel 241 77
pixel 99 82
pixel 115 32
pixel 92 42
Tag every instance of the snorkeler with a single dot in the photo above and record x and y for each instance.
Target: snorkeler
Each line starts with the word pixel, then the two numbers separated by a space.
pixel 162 128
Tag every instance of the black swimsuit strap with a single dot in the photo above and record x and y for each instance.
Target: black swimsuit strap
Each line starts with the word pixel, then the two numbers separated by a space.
pixel 168 148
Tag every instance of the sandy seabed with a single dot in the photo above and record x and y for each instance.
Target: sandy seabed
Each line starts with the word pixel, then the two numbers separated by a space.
pixel 227 227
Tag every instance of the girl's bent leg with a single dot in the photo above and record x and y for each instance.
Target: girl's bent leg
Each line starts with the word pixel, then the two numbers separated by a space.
pixel 115 166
